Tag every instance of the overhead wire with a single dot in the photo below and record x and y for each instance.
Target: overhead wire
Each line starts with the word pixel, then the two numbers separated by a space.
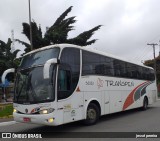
pixel 147 53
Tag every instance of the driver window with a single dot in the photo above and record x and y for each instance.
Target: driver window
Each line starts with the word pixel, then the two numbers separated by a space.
pixel 68 72
pixel 64 80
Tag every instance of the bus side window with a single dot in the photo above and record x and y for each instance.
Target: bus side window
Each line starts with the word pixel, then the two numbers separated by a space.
pixel 64 79
pixel 64 83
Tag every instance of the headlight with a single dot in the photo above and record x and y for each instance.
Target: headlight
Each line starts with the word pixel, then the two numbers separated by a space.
pixel 14 111
pixel 46 111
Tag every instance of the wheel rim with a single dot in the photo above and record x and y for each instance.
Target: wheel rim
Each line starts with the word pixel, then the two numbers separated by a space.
pixel 91 114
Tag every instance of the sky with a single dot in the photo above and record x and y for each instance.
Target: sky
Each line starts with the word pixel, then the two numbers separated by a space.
pixel 128 25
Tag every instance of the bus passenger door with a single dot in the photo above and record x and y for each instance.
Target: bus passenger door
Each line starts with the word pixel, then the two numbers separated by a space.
pixel 63 92
pixel 70 101
pixel 68 77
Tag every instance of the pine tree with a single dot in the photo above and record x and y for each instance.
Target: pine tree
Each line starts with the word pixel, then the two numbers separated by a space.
pixel 57 33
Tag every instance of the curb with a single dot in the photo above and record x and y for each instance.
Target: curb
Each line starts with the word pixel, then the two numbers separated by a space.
pixel 8 123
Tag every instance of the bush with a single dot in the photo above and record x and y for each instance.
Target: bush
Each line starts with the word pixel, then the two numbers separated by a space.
pixel 6 110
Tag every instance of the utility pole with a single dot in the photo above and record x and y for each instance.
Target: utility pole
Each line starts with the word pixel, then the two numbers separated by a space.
pixel 155 66
pixel 30 25
pixel 12 38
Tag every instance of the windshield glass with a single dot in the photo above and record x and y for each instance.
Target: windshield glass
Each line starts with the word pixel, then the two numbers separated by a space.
pixel 39 58
pixel 31 87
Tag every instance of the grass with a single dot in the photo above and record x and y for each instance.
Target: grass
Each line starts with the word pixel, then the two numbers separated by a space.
pixel 6 110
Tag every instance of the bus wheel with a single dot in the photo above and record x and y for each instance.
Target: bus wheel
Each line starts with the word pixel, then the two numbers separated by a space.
pixel 93 114
pixel 145 104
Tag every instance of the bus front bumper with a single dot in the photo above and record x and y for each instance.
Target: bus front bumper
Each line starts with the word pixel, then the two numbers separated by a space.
pixel 43 119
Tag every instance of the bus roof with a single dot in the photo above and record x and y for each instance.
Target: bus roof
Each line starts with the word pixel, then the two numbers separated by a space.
pixel 83 48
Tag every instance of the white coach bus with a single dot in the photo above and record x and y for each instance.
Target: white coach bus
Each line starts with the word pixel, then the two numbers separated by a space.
pixel 64 83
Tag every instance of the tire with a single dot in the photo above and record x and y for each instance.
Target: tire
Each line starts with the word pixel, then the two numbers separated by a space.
pixel 93 113
pixel 145 104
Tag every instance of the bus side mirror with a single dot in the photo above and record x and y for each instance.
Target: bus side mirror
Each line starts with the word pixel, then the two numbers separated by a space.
pixel 5 74
pixel 47 67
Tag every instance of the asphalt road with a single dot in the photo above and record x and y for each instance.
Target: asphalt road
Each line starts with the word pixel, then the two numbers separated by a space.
pixel 129 121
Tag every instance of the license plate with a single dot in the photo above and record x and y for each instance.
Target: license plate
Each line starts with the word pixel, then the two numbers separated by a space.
pixel 26 119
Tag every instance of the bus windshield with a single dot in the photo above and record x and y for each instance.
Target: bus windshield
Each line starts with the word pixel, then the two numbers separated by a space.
pixel 31 87
pixel 39 58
